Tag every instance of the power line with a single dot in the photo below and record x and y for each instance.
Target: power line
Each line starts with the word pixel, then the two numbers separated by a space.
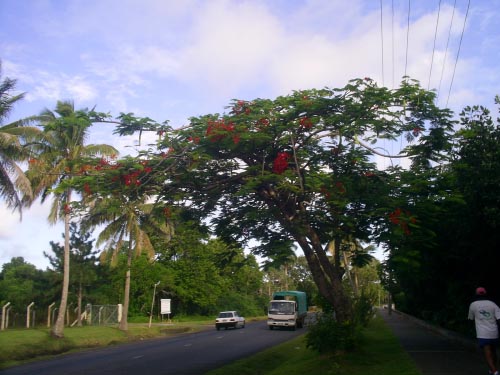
pixel 382 38
pixel 407 36
pixel 434 46
pixel 458 52
pixel 392 26
pixel 446 50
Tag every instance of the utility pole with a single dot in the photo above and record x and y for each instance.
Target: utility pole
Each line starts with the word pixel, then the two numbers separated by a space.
pixel 153 304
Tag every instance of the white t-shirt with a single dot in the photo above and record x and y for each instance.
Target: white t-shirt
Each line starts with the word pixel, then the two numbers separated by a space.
pixel 485 314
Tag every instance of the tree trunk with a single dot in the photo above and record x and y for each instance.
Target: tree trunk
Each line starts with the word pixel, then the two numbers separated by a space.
pixel 58 329
pixel 326 277
pixel 351 276
pixel 79 305
pixel 285 266
pixel 124 322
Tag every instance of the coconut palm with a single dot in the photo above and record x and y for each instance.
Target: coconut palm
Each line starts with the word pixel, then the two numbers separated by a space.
pixel 60 158
pixel 14 185
pixel 127 221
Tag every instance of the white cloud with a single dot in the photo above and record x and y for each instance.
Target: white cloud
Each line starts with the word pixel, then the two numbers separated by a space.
pixel 79 89
pixel 8 223
pixel 51 87
pixel 27 238
pixel 231 45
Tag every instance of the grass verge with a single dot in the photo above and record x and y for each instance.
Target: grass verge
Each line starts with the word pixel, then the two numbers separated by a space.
pixel 378 352
pixel 24 345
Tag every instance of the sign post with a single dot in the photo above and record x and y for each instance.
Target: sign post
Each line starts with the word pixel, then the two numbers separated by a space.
pixel 165 308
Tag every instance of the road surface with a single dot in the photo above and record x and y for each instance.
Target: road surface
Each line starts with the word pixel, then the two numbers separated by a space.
pixel 187 354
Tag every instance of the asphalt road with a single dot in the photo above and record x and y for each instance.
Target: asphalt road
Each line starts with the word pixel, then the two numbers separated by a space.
pixel 190 354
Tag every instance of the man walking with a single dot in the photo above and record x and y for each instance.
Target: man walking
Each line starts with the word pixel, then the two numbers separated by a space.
pixel 486 315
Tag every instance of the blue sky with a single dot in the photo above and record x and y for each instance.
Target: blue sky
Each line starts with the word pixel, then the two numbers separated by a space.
pixel 173 59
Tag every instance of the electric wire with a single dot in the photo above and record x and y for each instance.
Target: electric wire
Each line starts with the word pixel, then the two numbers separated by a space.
pixel 446 50
pixel 407 36
pixel 458 52
pixel 393 82
pixel 392 27
pixel 382 39
pixel 434 46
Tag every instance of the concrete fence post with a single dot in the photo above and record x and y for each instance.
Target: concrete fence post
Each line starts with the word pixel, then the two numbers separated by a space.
pixel 4 309
pixel 28 311
pixel 48 313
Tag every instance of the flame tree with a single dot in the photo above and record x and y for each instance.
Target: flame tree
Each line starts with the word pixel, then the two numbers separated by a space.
pixel 301 168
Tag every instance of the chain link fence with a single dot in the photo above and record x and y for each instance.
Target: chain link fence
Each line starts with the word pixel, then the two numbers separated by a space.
pixel 97 315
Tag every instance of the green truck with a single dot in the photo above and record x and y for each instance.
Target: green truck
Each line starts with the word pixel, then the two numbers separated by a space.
pixel 288 308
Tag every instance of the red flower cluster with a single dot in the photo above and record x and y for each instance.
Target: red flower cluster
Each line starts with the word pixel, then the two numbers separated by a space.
pixel 325 192
pixel 218 130
pixel 338 187
pixel 262 123
pixel 167 212
pixel 305 122
pixel 280 164
pixel 103 163
pixel 242 107
pixel 416 131
pixel 87 189
pixel 402 218
pixel 170 151
pixel 133 178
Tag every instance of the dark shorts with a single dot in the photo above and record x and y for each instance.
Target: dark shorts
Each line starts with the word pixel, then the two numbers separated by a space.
pixel 483 342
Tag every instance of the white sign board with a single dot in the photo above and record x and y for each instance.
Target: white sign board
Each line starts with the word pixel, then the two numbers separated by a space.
pixel 165 306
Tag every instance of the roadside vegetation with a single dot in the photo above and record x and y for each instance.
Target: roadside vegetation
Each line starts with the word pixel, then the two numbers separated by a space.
pixel 377 352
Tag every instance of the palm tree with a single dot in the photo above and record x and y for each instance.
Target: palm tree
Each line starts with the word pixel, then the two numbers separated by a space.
pixel 60 158
pixel 14 185
pixel 128 221
pixel 354 256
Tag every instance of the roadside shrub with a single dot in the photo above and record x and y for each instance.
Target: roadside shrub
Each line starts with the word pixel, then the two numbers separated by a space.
pixel 328 335
pixel 363 310
pixel 245 305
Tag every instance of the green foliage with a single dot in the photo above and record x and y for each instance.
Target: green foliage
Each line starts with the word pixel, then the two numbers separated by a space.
pixel 15 188
pixel 246 305
pixel 298 169
pixel 363 310
pixel 453 243
pixel 329 335
pixel 17 283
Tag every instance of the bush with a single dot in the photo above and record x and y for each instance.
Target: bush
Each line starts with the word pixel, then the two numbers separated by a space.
pixel 328 335
pixel 362 310
pixel 245 305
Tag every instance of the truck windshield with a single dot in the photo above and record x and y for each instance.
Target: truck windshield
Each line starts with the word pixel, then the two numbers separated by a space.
pixel 282 308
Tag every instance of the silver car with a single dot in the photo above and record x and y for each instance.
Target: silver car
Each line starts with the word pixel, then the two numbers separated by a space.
pixel 229 319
